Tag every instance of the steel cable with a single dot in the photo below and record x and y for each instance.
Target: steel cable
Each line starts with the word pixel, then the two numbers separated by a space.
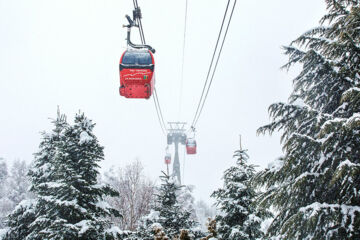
pixel 217 60
pixel 210 67
pixel 156 99
pixel 183 60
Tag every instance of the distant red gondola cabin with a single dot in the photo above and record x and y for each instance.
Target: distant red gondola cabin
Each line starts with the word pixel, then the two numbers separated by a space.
pixel 168 158
pixel 137 73
pixel 190 146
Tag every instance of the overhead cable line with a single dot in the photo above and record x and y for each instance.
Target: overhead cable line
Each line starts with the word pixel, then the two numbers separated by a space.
pixel 157 103
pixel 158 115
pixel 217 61
pixel 212 59
pixel 156 99
pixel 183 59
pixel 207 86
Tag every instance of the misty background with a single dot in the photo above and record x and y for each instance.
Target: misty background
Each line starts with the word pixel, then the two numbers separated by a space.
pixel 66 54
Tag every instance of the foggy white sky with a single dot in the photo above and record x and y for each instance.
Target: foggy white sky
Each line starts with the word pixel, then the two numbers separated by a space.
pixel 66 53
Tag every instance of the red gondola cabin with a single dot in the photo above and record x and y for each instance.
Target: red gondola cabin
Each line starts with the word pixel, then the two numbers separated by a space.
pixel 137 73
pixel 190 146
pixel 168 158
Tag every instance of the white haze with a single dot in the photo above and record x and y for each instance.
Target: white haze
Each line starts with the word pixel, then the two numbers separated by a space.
pixel 66 53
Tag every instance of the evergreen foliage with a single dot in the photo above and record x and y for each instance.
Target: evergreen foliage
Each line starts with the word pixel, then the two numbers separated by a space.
pixel 315 187
pixel 168 214
pixel 19 221
pixel 239 219
pixel 70 202
pixel 43 173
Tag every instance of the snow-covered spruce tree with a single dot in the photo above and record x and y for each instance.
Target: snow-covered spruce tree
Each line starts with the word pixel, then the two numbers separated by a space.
pixel 148 227
pixel 239 218
pixel 44 174
pixel 316 187
pixel 70 201
pixel 167 213
pixel 19 220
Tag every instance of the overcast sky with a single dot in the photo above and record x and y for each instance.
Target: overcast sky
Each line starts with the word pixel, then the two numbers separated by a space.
pixel 66 53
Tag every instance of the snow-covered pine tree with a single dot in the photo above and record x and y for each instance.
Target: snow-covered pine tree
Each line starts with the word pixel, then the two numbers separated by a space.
pixel 239 218
pixel 79 207
pixel 173 217
pixel 315 187
pixel 70 201
pixel 168 213
pixel 44 175
pixel 148 227
pixel 20 219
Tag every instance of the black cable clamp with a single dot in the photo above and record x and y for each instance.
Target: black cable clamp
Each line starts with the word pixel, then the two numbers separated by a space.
pixel 137 14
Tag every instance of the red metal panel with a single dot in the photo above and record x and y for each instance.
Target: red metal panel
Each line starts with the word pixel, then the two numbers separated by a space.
pixel 136 82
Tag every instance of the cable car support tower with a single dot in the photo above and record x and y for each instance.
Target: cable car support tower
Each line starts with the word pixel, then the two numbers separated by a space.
pixel 176 134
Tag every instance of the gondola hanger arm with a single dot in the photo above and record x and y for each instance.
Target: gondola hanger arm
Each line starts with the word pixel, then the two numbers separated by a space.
pixel 132 23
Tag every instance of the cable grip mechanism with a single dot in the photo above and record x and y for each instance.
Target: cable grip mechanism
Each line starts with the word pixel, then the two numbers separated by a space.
pixel 132 23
